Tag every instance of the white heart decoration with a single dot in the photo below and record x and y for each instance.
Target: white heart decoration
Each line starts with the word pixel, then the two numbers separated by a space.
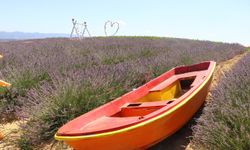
pixel 111 24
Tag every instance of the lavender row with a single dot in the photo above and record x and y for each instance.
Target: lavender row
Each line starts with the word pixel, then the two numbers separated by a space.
pixel 225 123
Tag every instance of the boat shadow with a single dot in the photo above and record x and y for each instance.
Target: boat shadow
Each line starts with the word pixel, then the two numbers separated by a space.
pixel 181 139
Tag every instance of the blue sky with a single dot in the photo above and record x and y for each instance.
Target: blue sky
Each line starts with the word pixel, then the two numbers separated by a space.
pixel 215 20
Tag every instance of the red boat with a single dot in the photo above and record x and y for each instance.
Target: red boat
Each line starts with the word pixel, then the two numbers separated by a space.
pixel 144 116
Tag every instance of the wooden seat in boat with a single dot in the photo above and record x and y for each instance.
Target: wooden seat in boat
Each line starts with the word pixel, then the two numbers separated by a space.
pixel 143 108
pixel 195 74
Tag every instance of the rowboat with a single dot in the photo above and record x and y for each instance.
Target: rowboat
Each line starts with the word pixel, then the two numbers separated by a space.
pixel 144 116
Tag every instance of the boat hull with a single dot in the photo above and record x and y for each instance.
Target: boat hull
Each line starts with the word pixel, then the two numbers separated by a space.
pixel 144 134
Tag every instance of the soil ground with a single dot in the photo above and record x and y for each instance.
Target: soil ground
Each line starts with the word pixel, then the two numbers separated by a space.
pixel 10 132
pixel 178 141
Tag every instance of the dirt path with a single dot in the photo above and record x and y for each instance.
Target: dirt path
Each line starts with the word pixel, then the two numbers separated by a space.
pixel 181 139
pixel 224 67
pixel 178 141
pixel 10 132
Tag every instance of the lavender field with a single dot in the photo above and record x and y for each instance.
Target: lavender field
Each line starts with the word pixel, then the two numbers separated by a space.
pixel 55 80
pixel 225 122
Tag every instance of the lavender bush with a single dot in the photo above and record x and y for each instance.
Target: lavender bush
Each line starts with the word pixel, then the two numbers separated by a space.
pixel 63 78
pixel 225 123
